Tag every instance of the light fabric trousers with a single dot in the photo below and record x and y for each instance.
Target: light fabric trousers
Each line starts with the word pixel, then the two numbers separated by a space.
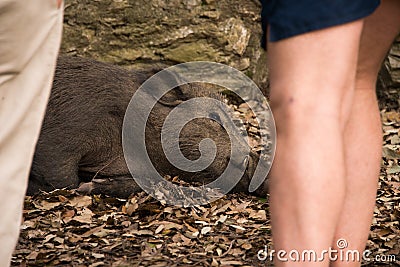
pixel 30 36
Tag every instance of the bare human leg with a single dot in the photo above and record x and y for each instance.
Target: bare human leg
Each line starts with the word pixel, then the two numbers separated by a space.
pixel 310 74
pixel 363 132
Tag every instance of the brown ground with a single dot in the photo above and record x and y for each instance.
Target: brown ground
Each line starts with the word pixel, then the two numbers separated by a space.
pixel 63 228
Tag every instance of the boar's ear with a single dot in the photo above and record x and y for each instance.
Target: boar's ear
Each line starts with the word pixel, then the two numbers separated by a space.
pixel 173 97
pixel 176 95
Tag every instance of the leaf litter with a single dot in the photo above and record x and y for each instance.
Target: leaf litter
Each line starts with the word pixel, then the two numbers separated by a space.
pixel 109 232
pixel 63 228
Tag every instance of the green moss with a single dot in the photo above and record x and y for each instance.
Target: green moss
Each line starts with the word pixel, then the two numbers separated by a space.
pixel 196 51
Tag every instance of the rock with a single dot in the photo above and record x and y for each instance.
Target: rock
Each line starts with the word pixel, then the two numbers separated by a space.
pixel 394 62
pixel 197 51
pixel 237 35
pixel 389 75
pixel 124 32
pixel 174 31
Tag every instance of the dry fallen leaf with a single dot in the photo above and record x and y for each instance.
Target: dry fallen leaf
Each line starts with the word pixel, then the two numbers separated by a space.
pixel 62 228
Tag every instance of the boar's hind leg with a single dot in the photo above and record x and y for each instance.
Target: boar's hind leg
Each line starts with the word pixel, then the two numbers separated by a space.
pixel 118 186
pixel 55 172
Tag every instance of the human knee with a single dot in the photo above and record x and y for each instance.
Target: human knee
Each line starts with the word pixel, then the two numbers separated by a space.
pixel 293 114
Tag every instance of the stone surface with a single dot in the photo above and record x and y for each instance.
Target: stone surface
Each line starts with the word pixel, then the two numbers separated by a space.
pixel 174 31
pixel 393 63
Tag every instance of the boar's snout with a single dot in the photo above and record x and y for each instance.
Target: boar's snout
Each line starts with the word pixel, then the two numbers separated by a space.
pixel 252 161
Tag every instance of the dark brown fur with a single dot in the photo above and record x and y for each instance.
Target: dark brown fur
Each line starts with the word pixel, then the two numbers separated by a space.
pixel 80 140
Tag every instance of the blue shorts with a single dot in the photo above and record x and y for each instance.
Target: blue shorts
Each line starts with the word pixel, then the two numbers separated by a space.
pixel 287 18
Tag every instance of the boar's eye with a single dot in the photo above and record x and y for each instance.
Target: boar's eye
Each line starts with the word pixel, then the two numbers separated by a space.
pixel 215 116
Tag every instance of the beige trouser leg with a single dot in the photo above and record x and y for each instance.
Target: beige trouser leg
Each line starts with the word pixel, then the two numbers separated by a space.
pixel 30 35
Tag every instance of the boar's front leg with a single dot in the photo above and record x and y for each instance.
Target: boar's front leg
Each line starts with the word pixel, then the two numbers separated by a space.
pixel 119 186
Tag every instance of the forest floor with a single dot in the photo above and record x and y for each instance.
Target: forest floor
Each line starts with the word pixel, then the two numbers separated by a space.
pixel 63 228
